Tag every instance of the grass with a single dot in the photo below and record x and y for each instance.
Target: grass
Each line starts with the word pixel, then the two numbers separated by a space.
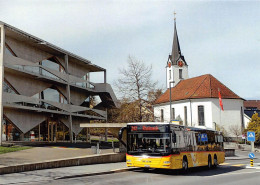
pixel 12 149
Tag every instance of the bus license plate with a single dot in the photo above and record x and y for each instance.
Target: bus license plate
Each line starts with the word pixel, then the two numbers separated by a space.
pixel 147 166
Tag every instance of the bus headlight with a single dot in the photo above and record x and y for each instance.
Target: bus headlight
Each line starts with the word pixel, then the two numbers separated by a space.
pixel 166 162
pixel 128 161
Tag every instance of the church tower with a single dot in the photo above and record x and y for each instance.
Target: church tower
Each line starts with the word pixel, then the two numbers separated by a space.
pixel 177 68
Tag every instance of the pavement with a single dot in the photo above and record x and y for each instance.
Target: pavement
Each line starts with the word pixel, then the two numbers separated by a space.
pixel 43 156
pixel 63 173
pixel 47 153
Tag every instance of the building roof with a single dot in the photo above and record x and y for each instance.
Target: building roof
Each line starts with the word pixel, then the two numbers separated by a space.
pixel 205 86
pixel 176 49
pixel 252 104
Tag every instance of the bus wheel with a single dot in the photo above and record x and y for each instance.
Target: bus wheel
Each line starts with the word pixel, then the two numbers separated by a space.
pixel 184 164
pixel 215 161
pixel 209 162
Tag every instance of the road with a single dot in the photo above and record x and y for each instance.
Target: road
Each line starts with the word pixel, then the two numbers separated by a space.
pixel 232 172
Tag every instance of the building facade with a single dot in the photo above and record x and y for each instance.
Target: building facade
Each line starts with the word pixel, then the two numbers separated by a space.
pixel 46 91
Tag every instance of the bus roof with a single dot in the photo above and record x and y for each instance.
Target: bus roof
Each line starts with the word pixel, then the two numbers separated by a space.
pixel 148 123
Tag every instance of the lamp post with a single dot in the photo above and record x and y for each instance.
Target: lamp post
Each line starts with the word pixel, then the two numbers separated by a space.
pixel 170 86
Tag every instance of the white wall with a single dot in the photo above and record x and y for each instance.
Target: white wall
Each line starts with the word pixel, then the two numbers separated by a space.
pixel 192 111
pixel 247 120
pixel 175 74
pixel 230 116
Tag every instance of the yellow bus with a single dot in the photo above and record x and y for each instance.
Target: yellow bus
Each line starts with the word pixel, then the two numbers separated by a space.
pixel 171 146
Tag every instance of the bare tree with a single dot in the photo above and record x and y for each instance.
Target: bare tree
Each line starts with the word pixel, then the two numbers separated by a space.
pixel 236 130
pixel 135 83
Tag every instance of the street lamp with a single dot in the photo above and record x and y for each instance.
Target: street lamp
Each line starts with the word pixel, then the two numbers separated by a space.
pixel 170 86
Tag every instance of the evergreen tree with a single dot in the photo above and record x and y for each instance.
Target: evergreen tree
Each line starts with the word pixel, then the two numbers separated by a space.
pixel 254 125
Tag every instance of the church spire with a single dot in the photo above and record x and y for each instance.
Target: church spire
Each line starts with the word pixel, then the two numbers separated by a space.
pixel 176 50
pixel 177 68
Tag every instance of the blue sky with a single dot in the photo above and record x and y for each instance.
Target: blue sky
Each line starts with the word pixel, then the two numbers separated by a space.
pixel 221 38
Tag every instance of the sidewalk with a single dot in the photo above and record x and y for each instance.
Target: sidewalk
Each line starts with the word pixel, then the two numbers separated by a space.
pixel 46 153
pixel 62 173
pixel 55 156
pixel 240 155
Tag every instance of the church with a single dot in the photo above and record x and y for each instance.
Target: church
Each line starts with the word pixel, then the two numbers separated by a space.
pixel 196 101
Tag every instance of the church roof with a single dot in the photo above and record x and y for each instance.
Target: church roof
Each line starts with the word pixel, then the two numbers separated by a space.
pixel 176 49
pixel 205 86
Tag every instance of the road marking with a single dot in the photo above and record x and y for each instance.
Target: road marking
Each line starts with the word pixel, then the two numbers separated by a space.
pixel 222 164
pixel 237 173
pixel 238 165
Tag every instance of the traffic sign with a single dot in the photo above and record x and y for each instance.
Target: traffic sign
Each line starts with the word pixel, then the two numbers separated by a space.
pixel 251 136
pixel 251 155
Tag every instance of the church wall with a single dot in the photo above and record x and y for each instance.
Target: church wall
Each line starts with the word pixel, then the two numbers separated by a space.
pixel 207 111
pixel 174 76
pixel 192 111
pixel 176 73
pixel 231 114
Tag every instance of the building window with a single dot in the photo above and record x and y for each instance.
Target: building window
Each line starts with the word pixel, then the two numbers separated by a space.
pixel 185 116
pixel 9 51
pixel 53 64
pixel 54 95
pixel 180 73
pixel 201 115
pixel 170 74
pixel 173 113
pixel 8 88
pixel 162 116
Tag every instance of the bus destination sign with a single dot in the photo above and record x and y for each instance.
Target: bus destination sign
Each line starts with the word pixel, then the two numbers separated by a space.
pixel 148 128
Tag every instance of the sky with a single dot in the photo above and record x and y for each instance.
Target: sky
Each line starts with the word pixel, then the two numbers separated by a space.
pixel 221 38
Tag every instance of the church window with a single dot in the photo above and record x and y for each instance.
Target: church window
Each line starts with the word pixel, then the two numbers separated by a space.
pixel 180 73
pixel 170 74
pixel 201 115
pixel 185 116
pixel 162 116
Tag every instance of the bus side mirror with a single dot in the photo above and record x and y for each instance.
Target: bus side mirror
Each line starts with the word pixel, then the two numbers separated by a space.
pixel 174 138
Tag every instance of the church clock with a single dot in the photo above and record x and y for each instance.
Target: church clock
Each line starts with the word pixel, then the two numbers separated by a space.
pixel 180 63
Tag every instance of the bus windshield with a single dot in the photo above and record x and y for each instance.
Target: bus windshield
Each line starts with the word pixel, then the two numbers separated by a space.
pixel 149 143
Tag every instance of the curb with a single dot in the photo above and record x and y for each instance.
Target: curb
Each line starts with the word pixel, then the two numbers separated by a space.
pixel 99 173
pixel 238 158
pixel 67 162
